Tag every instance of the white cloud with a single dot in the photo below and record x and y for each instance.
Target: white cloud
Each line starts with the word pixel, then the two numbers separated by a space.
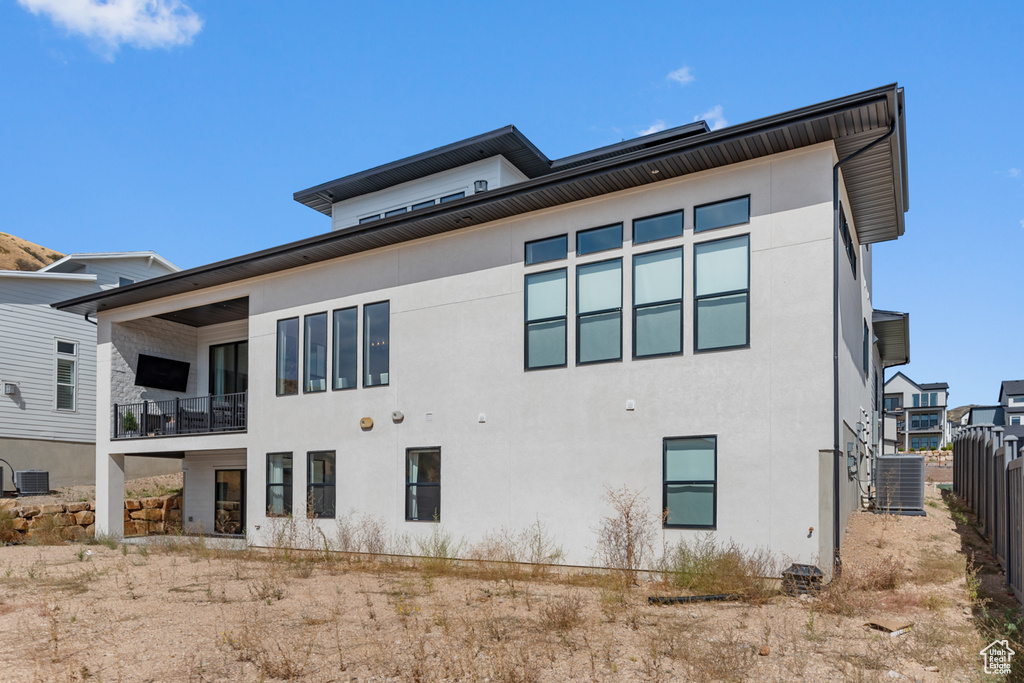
pixel 1015 173
pixel 682 75
pixel 655 127
pixel 714 117
pixel 113 23
pixel 1022 224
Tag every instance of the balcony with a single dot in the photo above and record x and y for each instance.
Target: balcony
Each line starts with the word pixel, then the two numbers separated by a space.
pixel 180 416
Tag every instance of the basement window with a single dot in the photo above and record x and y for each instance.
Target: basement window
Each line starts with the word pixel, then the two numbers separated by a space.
pixel 423 485
pixel 690 482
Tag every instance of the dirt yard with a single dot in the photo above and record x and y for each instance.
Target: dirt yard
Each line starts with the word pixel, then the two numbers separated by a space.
pixel 182 610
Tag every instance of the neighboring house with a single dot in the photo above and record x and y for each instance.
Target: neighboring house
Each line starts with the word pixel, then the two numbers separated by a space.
pixel 920 414
pixel 1011 398
pixel 48 364
pixel 488 338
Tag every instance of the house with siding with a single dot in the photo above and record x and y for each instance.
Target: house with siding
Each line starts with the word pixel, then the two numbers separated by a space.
pixel 918 413
pixel 48 364
pixel 486 338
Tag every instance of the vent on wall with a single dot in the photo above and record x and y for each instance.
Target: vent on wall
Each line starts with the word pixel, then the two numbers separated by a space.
pixel 32 482
pixel 899 484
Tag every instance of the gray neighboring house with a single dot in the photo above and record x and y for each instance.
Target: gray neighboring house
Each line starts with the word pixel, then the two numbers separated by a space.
pixel 1011 398
pixel 488 337
pixel 915 414
pixel 48 365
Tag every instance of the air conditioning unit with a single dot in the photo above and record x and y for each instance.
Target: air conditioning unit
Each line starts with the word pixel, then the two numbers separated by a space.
pixel 32 482
pixel 10 388
pixel 899 484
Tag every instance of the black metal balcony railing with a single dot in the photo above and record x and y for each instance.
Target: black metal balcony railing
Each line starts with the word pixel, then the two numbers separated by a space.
pixel 197 415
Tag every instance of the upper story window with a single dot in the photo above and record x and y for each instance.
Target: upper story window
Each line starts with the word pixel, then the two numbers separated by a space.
pixel 599 239
pixel 1017 401
pixel 376 344
pixel 229 368
pixel 124 281
pixel 599 311
pixel 452 197
pixel 346 343
pixel 893 403
pixel 367 219
pixel 550 249
pixel 545 319
pixel 423 205
pixel 657 227
pixel 851 248
pixel 722 293
pixel 866 360
pixel 66 379
pixel 287 356
pixel 926 399
pixel 658 303
pixel 314 356
pixel 395 212
pixel 721 214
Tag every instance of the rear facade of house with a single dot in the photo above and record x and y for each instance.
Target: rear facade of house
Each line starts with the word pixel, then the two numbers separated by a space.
pixel 487 338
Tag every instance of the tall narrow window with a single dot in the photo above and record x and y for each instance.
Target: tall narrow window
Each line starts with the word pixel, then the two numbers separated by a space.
pixel 321 494
pixel 722 293
pixel 423 484
pixel 229 368
pixel 279 484
pixel 690 472
pixel 658 303
pixel 66 375
pixel 851 248
pixel 345 366
pixel 721 214
pixel 314 357
pixel 866 360
pixel 287 356
pixel 599 312
pixel 376 341
pixel 545 319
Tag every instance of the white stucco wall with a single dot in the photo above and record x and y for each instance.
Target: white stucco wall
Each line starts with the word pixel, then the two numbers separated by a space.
pixel 554 440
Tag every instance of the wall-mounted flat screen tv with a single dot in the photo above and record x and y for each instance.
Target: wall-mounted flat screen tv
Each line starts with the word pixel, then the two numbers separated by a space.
pixel 161 373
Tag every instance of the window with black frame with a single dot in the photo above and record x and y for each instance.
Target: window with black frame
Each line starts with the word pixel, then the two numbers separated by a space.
pixel 722 293
pixel 546 319
pixel 287 356
pixel 345 340
pixel 690 479
pixel 376 344
pixel 321 492
pixel 599 312
pixel 279 484
pixel 314 357
pixel 658 303
pixel 229 368
pixel 423 484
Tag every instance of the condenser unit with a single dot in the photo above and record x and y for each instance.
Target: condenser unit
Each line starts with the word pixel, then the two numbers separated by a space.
pixel 899 484
pixel 32 482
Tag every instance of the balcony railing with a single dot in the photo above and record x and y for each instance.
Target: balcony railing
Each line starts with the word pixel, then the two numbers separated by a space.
pixel 197 415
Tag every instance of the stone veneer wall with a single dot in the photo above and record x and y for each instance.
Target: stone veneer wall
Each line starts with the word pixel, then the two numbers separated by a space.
pixel 153 337
pixel 75 521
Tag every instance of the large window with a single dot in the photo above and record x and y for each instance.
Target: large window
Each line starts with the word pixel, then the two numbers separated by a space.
pixel 657 227
pixel 599 312
pixel 851 248
pixel 722 293
pixel 721 214
pixel 376 340
pixel 279 484
pixel 658 303
pixel 321 494
pixel 599 239
pixel 550 249
pixel 866 360
pixel 545 319
pixel 229 368
pixel 345 364
pixel 66 375
pixel 423 484
pixel 314 356
pixel 690 475
pixel 287 356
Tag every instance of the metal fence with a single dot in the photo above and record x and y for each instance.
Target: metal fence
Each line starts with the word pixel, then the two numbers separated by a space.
pixel 196 415
pixel 988 476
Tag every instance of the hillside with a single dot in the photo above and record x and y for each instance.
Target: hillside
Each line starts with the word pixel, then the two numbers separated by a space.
pixel 954 414
pixel 19 254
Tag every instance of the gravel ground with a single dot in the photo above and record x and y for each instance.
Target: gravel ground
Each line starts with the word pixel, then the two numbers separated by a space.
pixel 189 612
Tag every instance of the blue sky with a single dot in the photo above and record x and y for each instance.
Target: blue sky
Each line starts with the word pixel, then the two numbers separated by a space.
pixel 187 130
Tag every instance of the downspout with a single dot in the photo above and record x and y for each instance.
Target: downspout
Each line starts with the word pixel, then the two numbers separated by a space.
pixel 836 452
pixel 86 316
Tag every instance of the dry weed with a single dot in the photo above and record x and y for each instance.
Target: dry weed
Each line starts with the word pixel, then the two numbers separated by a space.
pixel 563 613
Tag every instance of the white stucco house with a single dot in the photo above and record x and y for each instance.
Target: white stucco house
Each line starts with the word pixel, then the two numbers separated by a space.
pixel 916 417
pixel 48 364
pixel 486 337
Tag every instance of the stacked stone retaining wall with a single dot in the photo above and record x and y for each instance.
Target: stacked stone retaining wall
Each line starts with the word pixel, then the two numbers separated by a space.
pixel 77 521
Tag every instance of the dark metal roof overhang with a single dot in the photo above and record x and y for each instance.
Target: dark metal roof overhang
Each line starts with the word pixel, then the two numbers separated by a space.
pixel 893 332
pixel 507 141
pixel 876 183
pixel 210 314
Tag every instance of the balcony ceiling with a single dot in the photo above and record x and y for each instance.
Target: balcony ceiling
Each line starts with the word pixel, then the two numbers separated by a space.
pixel 210 314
